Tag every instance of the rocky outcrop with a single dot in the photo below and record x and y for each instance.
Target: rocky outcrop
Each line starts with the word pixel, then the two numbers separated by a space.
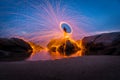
pixel 14 49
pixel 63 46
pixel 102 44
pixel 68 48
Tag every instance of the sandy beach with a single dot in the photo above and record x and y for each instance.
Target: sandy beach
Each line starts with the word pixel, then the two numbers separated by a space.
pixel 79 68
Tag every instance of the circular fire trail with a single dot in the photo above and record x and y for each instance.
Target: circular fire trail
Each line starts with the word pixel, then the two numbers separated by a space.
pixel 66 27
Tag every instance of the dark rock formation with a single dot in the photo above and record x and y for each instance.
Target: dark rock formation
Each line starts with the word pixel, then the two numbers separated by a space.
pixel 103 44
pixel 14 49
pixel 68 48
pixel 64 47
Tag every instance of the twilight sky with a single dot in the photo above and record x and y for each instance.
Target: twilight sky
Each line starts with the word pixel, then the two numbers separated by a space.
pixel 104 15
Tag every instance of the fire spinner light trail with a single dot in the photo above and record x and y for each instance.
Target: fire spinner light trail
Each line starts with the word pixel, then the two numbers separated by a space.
pixel 42 24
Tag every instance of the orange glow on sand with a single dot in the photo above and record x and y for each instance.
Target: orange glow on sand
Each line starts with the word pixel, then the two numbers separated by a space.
pixel 36 48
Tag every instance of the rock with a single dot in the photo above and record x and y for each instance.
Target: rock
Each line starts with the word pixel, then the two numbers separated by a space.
pixel 68 48
pixel 64 47
pixel 102 44
pixel 14 49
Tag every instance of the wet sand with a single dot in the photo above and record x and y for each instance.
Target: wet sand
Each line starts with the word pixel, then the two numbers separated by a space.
pixel 79 68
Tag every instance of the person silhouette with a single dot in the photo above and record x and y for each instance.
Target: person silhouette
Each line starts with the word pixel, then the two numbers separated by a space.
pixel 65 29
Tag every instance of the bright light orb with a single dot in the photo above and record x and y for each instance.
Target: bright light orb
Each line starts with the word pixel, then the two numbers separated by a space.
pixel 66 27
